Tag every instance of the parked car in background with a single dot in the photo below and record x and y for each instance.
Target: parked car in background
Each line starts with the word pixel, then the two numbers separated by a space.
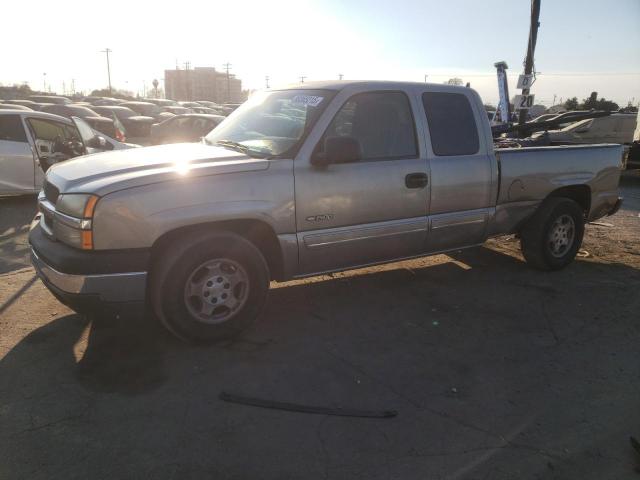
pixel 50 99
pixel 146 109
pixel 190 127
pixel 171 111
pixel 232 106
pixel 30 142
pixel 206 110
pixel 544 117
pixel 106 101
pixel 135 125
pixel 102 124
pixel 177 110
pixel 207 103
pixel 615 128
pixel 5 106
pixel 633 154
pixel 116 144
pixel 189 104
pixel 161 102
pixel 303 181
pixel 39 106
pixel 25 103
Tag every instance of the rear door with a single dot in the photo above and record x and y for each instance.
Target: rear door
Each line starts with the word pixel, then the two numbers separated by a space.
pixel 462 171
pixel 366 211
pixel 16 157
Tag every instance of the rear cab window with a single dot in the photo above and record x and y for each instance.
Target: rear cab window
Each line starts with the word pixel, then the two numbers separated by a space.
pixel 11 128
pixel 452 125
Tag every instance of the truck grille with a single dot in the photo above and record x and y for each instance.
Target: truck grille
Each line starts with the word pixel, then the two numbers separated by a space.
pixel 51 192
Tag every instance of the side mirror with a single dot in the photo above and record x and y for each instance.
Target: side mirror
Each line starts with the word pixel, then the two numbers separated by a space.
pixel 98 142
pixel 338 150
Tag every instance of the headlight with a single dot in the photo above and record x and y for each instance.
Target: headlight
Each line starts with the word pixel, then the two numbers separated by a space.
pixel 78 205
pixel 74 219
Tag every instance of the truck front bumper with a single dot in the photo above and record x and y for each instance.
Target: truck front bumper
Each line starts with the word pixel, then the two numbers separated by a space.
pixel 83 292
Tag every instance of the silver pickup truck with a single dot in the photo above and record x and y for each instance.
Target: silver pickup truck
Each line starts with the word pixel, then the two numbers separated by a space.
pixel 310 179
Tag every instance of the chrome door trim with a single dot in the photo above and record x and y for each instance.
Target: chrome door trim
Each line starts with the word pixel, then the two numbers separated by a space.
pixel 341 235
pixel 454 219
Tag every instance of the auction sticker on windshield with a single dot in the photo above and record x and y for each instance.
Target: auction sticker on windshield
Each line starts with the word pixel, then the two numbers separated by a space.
pixel 310 100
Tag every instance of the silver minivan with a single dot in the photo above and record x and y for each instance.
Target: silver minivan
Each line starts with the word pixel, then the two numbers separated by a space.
pixel 30 142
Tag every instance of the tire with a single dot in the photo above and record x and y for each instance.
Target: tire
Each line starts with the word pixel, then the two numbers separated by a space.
pixel 551 238
pixel 193 273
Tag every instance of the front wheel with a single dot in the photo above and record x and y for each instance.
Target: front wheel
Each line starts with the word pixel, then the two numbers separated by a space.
pixel 551 238
pixel 209 287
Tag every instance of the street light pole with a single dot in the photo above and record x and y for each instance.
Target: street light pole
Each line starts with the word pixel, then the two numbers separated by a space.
pixel 227 66
pixel 107 51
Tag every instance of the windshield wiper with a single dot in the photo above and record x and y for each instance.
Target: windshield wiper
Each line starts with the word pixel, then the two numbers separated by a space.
pixel 239 147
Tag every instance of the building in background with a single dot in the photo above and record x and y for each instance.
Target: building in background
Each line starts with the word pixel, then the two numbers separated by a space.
pixel 202 83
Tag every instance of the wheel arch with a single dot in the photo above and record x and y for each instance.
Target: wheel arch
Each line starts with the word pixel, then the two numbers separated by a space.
pixel 258 232
pixel 580 193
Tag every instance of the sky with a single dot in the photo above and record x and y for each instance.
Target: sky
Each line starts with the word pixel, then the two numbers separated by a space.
pixel 583 45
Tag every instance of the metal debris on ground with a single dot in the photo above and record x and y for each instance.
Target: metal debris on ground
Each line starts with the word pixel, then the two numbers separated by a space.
pixel 293 407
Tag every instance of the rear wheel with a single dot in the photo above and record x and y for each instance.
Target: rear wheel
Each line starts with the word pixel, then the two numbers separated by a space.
pixel 209 287
pixel 552 237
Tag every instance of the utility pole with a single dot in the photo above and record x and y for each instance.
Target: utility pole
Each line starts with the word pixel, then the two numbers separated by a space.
pixel 188 86
pixel 266 80
pixel 302 77
pixel 554 100
pixel 227 66
pixel 73 86
pixel 531 47
pixel 425 78
pixel 44 82
pixel 108 51
pixel 340 76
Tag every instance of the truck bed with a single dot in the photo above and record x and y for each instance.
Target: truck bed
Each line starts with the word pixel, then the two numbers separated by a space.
pixel 527 175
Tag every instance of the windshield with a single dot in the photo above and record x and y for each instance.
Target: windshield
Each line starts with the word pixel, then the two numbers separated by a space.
pixel 271 123
pixel 82 111
pixel 122 112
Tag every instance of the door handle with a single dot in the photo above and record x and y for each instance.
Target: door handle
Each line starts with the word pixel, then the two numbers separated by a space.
pixel 416 180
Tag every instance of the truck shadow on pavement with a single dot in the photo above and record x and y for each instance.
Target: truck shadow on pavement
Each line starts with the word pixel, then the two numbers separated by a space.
pixel 479 354
pixel 16 214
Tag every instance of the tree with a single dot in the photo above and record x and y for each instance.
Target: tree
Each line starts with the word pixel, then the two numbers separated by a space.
pixel 594 103
pixel 571 103
pixel 454 81
pixel 104 92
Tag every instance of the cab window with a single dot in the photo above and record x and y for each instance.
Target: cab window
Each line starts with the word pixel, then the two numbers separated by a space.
pixel 11 128
pixel 381 122
pixel 452 126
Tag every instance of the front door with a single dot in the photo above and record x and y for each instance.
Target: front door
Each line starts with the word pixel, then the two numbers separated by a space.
pixel 16 157
pixel 372 209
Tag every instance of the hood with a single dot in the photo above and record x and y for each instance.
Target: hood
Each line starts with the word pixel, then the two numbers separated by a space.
pixel 107 172
pixel 103 120
pixel 141 119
